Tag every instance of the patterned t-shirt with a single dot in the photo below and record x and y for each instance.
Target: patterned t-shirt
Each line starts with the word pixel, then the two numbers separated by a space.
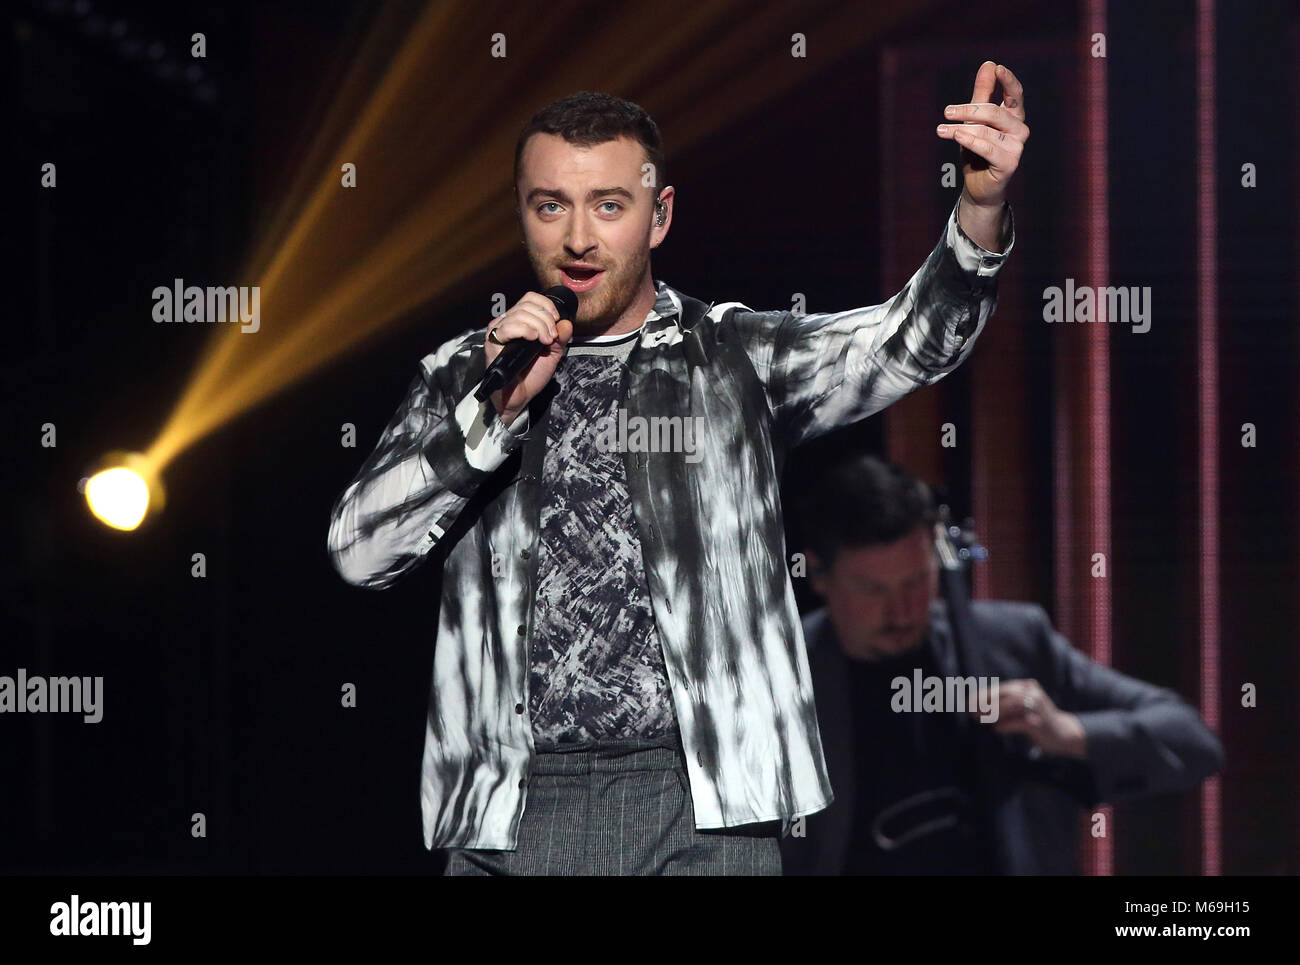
pixel 597 666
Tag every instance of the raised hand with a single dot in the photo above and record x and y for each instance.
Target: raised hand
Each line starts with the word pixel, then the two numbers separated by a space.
pixel 992 136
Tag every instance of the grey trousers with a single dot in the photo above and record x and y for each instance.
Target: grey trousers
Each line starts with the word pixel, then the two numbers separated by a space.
pixel 622 809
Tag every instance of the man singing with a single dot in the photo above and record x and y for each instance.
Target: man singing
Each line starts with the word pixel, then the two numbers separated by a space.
pixel 620 683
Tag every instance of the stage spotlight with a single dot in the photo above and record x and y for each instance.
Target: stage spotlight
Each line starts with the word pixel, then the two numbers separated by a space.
pixel 122 490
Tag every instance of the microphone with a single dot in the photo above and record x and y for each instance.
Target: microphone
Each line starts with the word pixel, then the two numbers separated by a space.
pixel 520 352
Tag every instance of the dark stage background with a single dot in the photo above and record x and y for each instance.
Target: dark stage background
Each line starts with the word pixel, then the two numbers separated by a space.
pixel 222 694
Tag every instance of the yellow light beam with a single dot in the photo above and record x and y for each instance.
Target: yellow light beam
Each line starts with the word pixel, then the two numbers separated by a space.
pixel 433 144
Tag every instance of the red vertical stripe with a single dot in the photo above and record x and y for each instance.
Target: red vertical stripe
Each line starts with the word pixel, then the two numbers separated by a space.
pixel 1207 394
pixel 1099 857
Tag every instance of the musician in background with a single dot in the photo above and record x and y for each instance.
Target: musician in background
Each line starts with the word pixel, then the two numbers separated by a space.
pixel 938 793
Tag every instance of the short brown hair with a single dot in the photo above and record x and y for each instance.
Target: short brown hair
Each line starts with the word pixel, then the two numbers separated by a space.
pixel 588 118
pixel 860 500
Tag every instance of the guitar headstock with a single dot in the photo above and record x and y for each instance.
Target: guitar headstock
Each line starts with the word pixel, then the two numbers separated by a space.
pixel 957 545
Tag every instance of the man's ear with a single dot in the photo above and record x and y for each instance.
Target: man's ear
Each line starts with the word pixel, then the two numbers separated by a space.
pixel 662 214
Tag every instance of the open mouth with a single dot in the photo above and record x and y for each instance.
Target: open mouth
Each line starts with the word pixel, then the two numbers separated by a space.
pixel 581 279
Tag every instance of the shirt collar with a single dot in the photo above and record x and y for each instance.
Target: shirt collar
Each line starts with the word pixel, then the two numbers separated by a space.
pixel 662 324
pixel 667 310
pixel 667 304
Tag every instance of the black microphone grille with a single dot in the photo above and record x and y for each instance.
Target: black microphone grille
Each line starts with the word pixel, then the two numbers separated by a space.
pixel 566 300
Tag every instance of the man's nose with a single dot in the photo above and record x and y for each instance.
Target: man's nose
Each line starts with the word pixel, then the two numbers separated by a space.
pixel 578 238
pixel 894 609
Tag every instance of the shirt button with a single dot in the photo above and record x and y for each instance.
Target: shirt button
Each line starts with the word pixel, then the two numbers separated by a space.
pixel 520 630
pixel 523 554
pixel 523 782
pixel 669 605
pixel 519 708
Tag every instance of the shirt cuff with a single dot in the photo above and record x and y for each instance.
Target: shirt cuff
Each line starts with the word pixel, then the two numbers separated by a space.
pixel 973 257
pixel 520 426
pixel 488 440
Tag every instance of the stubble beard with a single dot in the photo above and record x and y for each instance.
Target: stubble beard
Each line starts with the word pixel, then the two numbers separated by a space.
pixel 886 644
pixel 600 309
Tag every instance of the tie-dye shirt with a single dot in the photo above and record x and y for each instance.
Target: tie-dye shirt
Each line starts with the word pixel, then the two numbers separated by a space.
pixel 713 399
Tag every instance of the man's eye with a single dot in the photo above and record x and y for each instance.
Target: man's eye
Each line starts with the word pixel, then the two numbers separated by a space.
pixel 542 207
pixel 617 206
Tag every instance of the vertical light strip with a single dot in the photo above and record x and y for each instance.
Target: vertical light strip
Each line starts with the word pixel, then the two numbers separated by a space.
pixel 1063 496
pixel 1207 397
pixel 889 58
pixel 1096 380
pixel 888 188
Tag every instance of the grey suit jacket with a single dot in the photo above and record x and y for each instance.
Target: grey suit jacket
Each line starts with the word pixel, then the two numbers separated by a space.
pixel 1141 739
